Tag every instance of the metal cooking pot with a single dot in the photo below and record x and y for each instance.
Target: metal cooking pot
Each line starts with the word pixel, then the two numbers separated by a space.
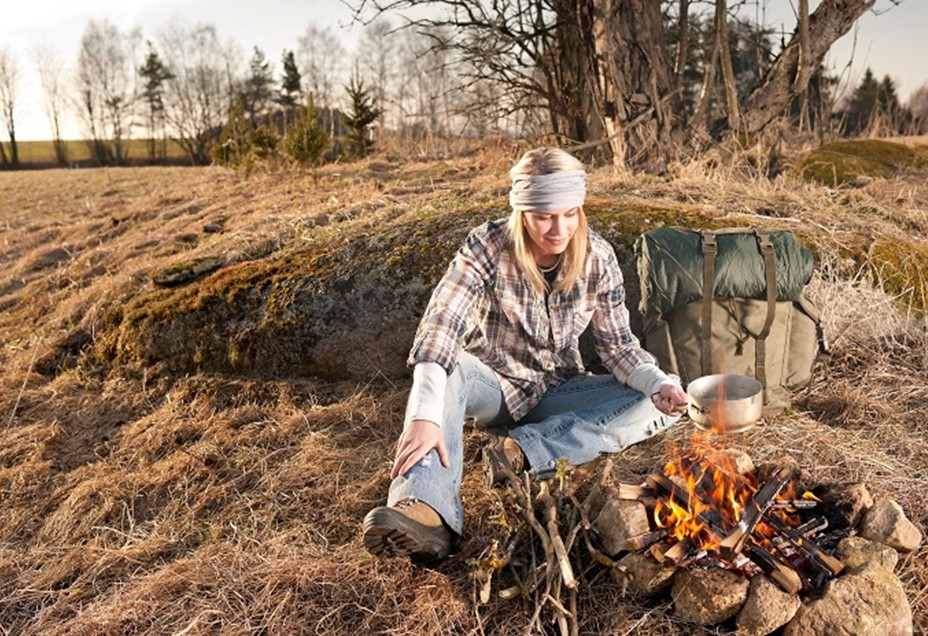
pixel 725 403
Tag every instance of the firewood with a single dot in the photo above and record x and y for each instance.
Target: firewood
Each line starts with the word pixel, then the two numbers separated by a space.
pixel 630 491
pixel 661 483
pixel 798 504
pixel 808 547
pixel 678 552
pixel 732 544
pixel 642 541
pixel 655 551
pixel 811 527
pixel 784 575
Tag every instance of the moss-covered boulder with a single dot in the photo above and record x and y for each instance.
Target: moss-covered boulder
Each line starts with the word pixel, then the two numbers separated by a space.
pixel 841 162
pixel 339 308
pixel 347 308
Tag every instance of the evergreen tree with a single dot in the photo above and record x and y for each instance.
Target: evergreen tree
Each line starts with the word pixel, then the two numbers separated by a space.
pixel 259 86
pixel 155 74
pixel 290 86
pixel 234 147
pixel 863 105
pixel 364 112
pixel 306 140
pixel 890 109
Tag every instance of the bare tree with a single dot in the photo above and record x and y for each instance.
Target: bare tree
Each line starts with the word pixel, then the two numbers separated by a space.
pixel 426 84
pixel 376 58
pixel 603 70
pixel 322 58
pixel 52 71
pixel 198 97
pixel 9 87
pixel 106 80
pixel 918 104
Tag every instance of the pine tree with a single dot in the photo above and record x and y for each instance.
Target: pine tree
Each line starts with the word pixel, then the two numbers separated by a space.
pixel 364 112
pixel 862 105
pixel 155 74
pixel 306 140
pixel 234 147
pixel 290 86
pixel 259 86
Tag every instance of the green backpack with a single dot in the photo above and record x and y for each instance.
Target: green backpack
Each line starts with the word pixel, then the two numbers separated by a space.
pixel 730 301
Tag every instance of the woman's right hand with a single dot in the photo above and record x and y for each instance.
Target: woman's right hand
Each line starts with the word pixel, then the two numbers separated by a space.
pixel 418 438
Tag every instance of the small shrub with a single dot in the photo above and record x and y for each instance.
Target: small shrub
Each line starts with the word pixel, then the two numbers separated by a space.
pixel 306 141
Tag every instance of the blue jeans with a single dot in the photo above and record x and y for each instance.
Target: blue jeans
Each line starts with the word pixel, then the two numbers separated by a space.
pixel 578 420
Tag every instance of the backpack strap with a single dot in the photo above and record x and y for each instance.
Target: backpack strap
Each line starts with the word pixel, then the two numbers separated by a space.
pixel 770 274
pixel 709 250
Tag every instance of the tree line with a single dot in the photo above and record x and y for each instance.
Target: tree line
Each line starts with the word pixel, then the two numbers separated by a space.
pixel 188 88
pixel 632 79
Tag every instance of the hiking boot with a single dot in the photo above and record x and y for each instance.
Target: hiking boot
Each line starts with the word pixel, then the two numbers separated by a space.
pixel 409 528
pixel 501 451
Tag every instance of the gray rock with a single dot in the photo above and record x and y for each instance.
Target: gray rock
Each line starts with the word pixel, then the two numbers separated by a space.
pixel 182 273
pixel 855 552
pixel 869 601
pixel 618 521
pixel 886 523
pixel 708 596
pixel 848 501
pixel 765 470
pixel 766 609
pixel 642 575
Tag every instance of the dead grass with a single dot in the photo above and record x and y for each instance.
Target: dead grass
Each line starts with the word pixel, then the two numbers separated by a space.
pixel 140 501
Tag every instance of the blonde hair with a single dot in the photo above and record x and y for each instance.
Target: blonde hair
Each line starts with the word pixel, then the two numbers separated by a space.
pixel 534 163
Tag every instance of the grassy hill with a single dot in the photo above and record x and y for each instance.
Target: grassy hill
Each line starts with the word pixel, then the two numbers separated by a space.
pixel 194 456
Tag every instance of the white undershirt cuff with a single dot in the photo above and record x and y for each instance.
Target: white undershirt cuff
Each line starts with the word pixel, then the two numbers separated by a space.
pixel 427 396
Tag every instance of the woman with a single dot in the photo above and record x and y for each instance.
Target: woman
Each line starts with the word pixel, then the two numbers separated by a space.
pixel 498 345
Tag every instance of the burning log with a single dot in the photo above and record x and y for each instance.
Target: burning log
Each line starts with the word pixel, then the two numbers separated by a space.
pixel 678 552
pixel 797 504
pixel 811 526
pixel 820 559
pixel 784 576
pixel 662 483
pixel 732 545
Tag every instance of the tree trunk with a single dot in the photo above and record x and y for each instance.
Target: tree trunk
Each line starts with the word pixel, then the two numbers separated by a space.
pixel 683 42
pixel 728 73
pixel 699 120
pixel 632 76
pixel 831 20
pixel 14 148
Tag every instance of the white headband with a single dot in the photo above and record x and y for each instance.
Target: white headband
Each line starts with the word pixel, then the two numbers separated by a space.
pixel 562 190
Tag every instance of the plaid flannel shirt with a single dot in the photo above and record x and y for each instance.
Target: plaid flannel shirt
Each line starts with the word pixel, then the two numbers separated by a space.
pixel 485 305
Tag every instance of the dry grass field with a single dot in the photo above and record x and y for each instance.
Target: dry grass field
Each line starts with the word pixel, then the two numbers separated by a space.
pixel 42 153
pixel 197 459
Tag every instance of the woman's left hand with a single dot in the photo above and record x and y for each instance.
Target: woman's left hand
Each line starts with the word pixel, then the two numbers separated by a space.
pixel 670 400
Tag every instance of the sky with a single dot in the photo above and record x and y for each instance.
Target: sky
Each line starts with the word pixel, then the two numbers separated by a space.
pixel 889 40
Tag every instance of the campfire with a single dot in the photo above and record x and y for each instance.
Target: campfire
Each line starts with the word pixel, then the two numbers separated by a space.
pixel 708 511
pixel 762 545
pixel 718 530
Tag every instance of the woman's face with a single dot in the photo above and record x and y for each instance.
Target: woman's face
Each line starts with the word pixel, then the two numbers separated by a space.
pixel 550 232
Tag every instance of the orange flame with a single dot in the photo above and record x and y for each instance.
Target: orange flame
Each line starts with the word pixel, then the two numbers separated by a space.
pixel 708 478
